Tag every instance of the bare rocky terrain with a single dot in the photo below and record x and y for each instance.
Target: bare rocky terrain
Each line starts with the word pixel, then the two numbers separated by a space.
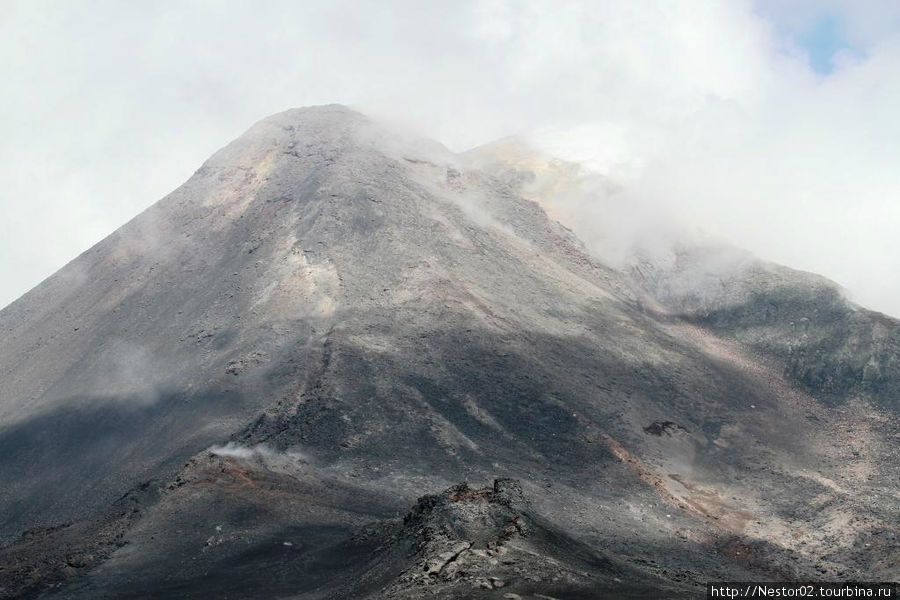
pixel 340 362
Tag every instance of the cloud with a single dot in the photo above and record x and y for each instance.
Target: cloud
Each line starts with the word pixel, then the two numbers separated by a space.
pixel 710 113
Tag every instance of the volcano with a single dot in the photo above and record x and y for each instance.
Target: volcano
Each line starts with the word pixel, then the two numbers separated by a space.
pixel 344 362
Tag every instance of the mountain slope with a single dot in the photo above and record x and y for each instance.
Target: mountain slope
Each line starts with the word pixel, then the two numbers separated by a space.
pixel 329 320
pixel 831 347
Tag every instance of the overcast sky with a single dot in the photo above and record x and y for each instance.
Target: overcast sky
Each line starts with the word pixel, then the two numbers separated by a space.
pixel 773 124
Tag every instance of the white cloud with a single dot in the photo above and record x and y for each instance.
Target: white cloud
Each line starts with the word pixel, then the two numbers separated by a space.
pixel 708 110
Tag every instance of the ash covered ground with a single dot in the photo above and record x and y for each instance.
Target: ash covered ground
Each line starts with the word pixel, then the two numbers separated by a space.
pixel 343 363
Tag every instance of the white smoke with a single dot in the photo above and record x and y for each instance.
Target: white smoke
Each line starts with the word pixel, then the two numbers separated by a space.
pixel 256 452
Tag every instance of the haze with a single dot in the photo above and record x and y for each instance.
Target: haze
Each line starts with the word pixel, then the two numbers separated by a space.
pixel 772 126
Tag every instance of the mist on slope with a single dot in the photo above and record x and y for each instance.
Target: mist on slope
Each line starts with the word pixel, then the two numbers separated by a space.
pixel 740 119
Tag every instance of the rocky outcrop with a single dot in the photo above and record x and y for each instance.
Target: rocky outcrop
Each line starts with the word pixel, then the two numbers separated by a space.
pixel 463 531
pixel 467 539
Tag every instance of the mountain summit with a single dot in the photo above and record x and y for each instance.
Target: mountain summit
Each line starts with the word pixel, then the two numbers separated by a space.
pixel 243 391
